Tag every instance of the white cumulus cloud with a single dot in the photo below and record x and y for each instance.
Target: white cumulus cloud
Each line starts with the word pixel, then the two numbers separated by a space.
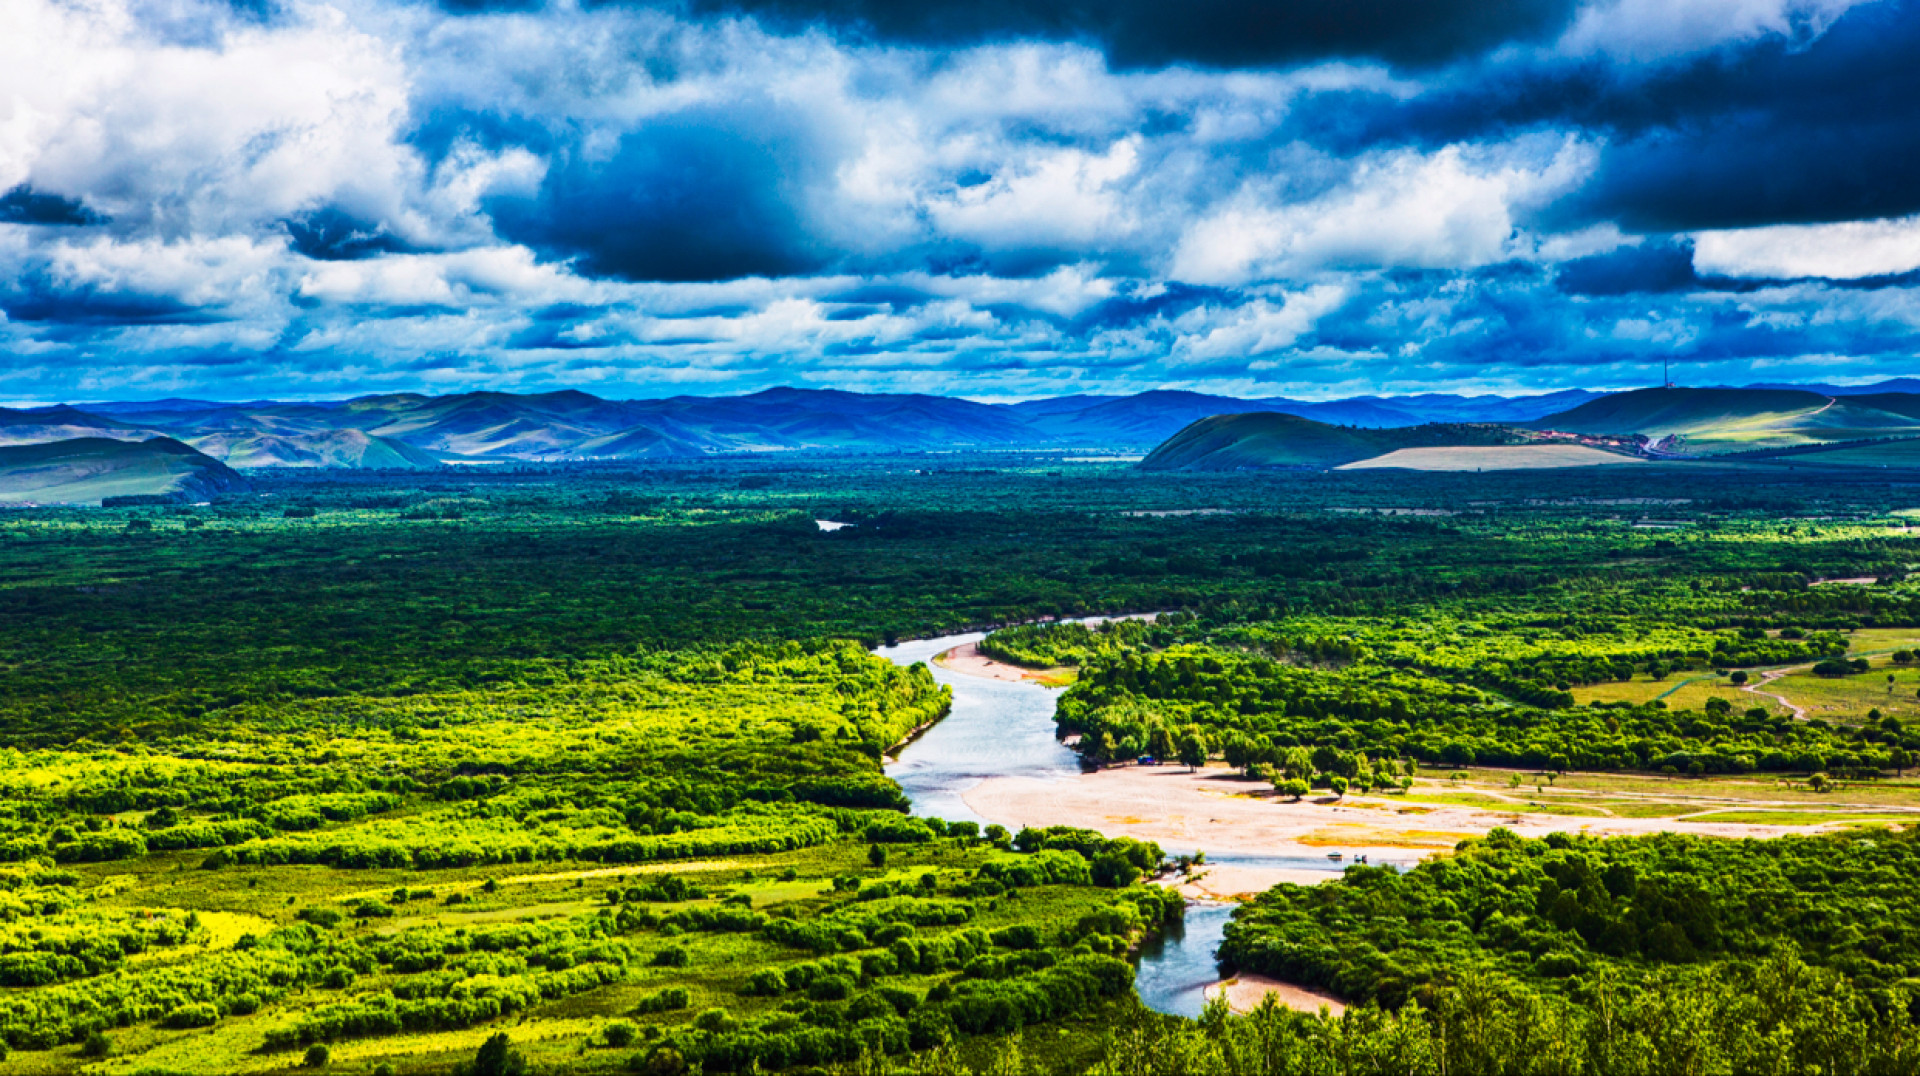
pixel 1847 250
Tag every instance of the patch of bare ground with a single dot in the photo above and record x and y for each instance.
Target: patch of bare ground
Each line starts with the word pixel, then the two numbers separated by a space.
pixel 969 660
pixel 1245 992
pixel 1215 810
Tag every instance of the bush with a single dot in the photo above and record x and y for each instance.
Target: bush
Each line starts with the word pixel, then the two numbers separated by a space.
pixel 1018 936
pixel 714 1020
pixel 831 988
pixel 672 999
pixel 192 1014
pixel 1114 871
pixel 319 917
pixel 496 1057
pixel 317 1056
pixel 96 1045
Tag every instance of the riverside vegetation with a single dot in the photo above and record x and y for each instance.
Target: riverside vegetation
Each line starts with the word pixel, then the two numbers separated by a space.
pixel 363 772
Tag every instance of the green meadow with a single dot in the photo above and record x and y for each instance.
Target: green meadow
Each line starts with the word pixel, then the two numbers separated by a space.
pixel 361 771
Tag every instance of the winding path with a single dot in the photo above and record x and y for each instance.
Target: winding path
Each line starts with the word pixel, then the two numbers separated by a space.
pixel 1769 676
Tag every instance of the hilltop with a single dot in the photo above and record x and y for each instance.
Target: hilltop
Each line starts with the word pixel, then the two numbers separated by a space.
pixel 85 470
pixel 1682 422
pixel 1267 440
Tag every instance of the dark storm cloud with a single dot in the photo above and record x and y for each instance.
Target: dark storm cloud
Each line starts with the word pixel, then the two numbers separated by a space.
pixel 23 205
pixel 1168 302
pixel 1782 130
pixel 1776 135
pixel 1652 268
pixel 332 234
pixel 1209 33
pixel 554 337
pixel 35 298
pixel 694 198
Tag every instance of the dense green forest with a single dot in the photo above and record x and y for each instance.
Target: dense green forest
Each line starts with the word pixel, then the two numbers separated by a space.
pixel 361 770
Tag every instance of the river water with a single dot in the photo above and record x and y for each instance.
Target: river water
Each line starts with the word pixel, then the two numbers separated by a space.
pixel 1004 728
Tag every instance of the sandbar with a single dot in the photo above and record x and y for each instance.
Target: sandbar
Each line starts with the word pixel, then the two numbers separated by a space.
pixel 1215 810
pixel 969 660
pixel 1245 991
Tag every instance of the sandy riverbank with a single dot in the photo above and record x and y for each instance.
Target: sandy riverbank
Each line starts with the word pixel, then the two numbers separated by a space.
pixel 1245 992
pixel 969 661
pixel 1215 810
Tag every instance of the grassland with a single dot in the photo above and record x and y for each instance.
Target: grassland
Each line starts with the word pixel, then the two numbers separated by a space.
pixel 1501 458
pixel 232 735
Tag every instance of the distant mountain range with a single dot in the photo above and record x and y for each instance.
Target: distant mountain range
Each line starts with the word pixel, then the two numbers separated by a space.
pixel 410 430
pixel 403 430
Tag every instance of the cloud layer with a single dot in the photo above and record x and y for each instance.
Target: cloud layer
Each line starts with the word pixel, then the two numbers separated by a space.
pixel 298 197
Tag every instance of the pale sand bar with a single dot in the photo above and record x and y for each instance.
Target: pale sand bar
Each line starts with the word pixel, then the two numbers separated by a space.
pixel 969 660
pixel 1245 991
pixel 1492 458
pixel 1215 810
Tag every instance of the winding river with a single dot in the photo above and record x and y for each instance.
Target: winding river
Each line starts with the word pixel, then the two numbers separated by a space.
pixel 1003 728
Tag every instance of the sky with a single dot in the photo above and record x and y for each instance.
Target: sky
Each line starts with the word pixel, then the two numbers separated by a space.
pixel 244 199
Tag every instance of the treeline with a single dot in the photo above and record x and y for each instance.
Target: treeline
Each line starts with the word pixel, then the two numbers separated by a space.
pixel 1772 1015
pixel 1554 913
pixel 1142 703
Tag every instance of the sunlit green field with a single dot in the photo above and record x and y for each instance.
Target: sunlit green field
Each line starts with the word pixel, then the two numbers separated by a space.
pixel 434 763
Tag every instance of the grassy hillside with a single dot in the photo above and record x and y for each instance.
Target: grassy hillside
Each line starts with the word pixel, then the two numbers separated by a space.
pixel 85 470
pixel 1903 453
pixel 1712 421
pixel 1236 442
pixel 327 448
pixel 1658 412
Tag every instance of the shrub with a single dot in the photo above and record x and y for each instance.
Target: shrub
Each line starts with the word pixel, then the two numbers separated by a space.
pixel 675 957
pixel 193 1014
pixel 672 999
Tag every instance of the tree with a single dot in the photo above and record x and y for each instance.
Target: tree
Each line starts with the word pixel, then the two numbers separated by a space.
pixel 1112 870
pixel 1339 785
pixel 1291 786
pixel 1237 751
pixel 496 1057
pixel 1739 677
pixel 1160 743
pixel 1297 763
pixel 1193 751
pixel 877 856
